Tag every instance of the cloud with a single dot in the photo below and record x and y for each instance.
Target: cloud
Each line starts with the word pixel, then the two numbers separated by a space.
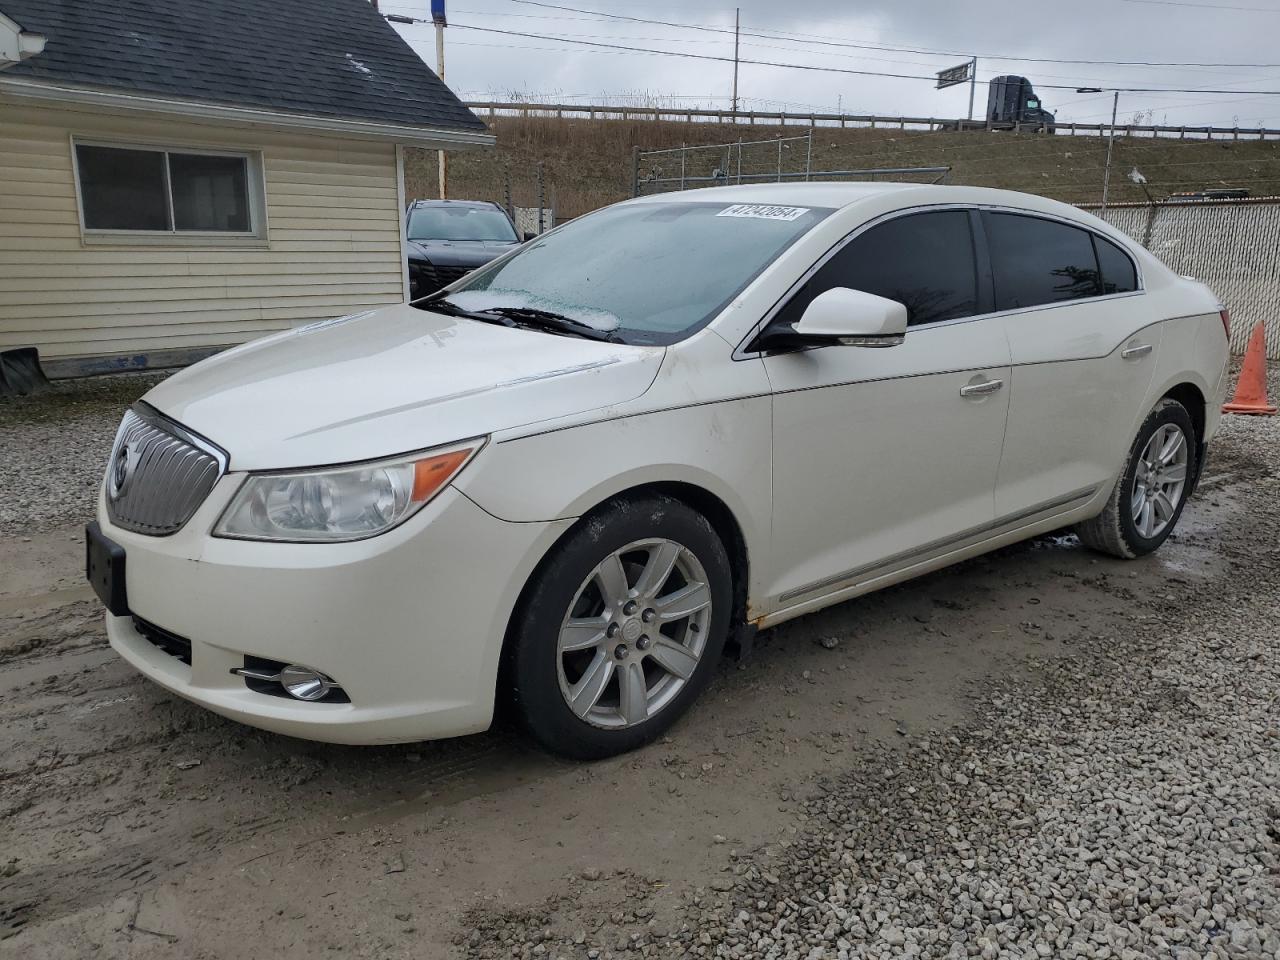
pixel 484 65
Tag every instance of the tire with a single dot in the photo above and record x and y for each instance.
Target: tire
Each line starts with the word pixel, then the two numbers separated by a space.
pixel 617 632
pixel 1125 530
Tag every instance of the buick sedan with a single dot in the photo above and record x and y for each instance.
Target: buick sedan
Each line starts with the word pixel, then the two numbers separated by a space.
pixel 565 483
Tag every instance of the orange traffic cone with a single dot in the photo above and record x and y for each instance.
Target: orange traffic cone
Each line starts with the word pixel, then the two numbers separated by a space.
pixel 1251 389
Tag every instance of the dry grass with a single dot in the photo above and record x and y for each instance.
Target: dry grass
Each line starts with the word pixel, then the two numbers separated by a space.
pixel 587 163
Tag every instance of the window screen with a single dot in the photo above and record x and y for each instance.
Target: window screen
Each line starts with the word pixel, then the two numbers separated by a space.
pixel 1037 261
pixel 1118 273
pixel 210 193
pixel 924 261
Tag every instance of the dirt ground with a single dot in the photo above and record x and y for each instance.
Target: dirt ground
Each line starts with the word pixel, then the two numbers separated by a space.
pixel 133 824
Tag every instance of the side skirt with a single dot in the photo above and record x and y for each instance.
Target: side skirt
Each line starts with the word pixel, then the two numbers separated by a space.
pixel 971 543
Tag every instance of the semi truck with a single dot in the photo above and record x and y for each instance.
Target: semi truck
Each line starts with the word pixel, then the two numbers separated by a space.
pixel 1012 102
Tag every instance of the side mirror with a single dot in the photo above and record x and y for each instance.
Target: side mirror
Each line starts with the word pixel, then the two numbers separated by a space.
pixel 527 236
pixel 842 317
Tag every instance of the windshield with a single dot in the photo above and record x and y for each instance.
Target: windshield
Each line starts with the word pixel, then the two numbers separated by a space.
pixel 650 273
pixel 460 223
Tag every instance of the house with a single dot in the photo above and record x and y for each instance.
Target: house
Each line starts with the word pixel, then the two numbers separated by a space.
pixel 180 175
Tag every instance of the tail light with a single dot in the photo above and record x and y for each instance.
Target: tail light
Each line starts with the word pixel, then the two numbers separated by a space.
pixel 1225 314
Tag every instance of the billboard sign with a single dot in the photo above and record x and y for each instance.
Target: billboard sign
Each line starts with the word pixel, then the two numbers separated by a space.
pixel 952 75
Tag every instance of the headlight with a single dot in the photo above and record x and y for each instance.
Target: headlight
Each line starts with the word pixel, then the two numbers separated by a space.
pixel 340 503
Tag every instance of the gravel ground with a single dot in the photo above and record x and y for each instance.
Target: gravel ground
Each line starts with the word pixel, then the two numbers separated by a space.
pixel 56 445
pixel 1040 753
pixel 1124 802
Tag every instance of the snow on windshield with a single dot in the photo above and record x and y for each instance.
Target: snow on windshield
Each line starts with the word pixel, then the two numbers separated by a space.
pixel 523 300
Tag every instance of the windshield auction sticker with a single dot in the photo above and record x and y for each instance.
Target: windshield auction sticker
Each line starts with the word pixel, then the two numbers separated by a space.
pixel 762 211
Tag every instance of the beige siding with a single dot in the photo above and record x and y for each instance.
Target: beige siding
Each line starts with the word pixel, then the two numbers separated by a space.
pixel 333 248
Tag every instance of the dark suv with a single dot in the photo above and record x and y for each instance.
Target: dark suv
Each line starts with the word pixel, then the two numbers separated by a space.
pixel 450 238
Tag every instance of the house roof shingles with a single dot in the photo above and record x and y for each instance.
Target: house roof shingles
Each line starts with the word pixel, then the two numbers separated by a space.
pixel 323 58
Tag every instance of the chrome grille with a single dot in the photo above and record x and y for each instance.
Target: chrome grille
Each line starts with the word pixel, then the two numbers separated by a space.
pixel 158 474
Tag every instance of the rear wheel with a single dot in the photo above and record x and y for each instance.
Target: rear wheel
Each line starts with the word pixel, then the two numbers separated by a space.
pixel 621 629
pixel 1147 501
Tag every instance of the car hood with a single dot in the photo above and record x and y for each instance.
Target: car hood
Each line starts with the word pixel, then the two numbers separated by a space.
pixel 390 381
pixel 459 253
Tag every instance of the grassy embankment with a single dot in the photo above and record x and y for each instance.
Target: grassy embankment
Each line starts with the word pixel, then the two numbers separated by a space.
pixel 587 163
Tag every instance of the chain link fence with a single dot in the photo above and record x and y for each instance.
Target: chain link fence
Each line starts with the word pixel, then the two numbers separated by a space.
pixel 1232 245
pixel 777 160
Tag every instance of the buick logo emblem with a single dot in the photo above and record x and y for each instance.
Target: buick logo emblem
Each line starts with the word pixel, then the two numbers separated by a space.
pixel 122 467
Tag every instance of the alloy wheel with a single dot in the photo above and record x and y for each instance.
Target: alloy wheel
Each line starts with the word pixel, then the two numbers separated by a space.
pixel 1159 480
pixel 634 633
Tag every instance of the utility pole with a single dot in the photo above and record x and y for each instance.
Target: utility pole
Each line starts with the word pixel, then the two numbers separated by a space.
pixel 973 83
pixel 737 26
pixel 438 18
pixel 1111 141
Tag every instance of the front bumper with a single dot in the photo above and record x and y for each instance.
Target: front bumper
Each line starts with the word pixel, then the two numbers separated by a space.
pixel 409 623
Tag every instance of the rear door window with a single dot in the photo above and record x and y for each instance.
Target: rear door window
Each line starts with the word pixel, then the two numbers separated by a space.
pixel 1036 261
pixel 923 260
pixel 1115 266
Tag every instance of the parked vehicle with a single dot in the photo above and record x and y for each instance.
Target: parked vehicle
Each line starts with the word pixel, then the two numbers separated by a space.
pixel 570 478
pixel 448 239
pixel 1011 102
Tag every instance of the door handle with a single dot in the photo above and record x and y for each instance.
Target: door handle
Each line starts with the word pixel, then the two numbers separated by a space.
pixel 1133 353
pixel 981 389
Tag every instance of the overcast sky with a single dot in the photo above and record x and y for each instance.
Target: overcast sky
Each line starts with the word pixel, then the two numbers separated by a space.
pixel 486 65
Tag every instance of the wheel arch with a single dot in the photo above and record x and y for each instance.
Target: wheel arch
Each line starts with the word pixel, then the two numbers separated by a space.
pixel 1191 397
pixel 1193 400
pixel 718 513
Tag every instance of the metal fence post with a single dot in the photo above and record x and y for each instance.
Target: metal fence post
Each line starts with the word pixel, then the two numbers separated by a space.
pixel 506 189
pixel 683 154
pixel 808 156
pixel 540 196
pixel 635 171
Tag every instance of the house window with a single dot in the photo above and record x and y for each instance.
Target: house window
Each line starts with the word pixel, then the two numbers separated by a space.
pixel 168 193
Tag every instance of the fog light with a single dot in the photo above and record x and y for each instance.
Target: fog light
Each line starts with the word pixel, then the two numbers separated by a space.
pixel 293 680
pixel 303 683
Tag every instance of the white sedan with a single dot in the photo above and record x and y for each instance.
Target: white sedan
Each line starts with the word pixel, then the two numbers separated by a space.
pixel 565 482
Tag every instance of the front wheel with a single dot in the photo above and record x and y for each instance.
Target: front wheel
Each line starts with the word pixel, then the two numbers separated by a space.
pixel 1148 498
pixel 621 628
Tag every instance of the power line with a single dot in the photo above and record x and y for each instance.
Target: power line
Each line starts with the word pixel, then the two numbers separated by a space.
pixel 777 35
pixel 1207 6
pixel 802 38
pixel 570 37
pixel 816 68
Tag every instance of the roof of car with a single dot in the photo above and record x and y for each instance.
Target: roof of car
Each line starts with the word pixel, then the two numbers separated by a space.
pixel 830 193
pixel 488 204
pixel 323 58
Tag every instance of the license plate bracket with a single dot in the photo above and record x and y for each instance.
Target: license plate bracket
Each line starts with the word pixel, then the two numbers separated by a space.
pixel 104 569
